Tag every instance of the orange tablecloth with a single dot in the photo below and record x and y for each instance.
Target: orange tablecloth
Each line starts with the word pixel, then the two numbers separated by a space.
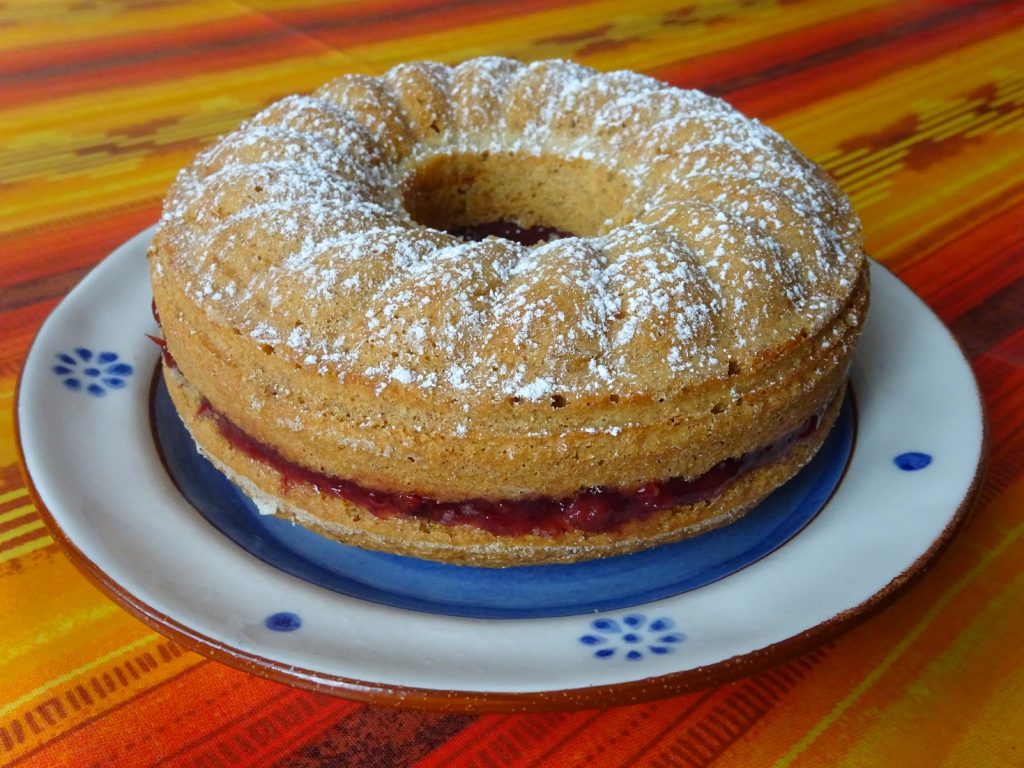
pixel 916 107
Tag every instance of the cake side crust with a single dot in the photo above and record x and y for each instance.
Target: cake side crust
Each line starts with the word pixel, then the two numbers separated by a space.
pixel 397 441
pixel 465 544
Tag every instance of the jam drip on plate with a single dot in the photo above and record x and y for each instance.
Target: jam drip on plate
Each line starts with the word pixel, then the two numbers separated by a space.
pixel 592 509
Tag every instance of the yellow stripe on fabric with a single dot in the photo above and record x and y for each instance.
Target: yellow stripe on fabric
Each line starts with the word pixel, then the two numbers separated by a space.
pixel 827 123
pixel 10 495
pixel 99 680
pixel 8 453
pixel 149 638
pixel 17 512
pixel 1013 497
pixel 52 164
pixel 1003 124
pixel 47 597
pixel 641 40
pixel 290 5
pixel 23 549
pixel 140 179
pixel 667 42
pixel 55 631
pixel 31 126
pixel 21 530
pixel 26 25
pixel 999 740
pixel 971 665
pixel 883 186
pixel 209 104
pixel 889 160
pixel 985 177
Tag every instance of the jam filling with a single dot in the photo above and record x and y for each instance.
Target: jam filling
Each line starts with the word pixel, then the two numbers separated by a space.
pixel 509 230
pixel 591 509
pixel 162 343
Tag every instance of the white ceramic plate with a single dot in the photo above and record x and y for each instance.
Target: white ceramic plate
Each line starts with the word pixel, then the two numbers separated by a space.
pixel 90 456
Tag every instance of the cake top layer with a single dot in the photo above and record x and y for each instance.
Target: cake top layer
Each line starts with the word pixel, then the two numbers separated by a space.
pixel 705 243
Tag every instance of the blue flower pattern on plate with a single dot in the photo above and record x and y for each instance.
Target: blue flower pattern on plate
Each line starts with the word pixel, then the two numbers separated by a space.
pixel 912 461
pixel 92 372
pixel 632 638
pixel 283 621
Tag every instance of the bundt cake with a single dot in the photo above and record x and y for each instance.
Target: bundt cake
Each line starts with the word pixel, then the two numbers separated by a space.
pixel 502 314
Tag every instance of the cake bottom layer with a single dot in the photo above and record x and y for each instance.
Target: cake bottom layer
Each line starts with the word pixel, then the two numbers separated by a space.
pixel 724 495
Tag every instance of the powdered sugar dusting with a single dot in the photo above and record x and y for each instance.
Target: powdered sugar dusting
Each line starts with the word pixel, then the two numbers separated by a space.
pixel 292 230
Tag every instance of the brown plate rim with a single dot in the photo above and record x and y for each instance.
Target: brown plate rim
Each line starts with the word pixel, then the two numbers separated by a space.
pixel 476 702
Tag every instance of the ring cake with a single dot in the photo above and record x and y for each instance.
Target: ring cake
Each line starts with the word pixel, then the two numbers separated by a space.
pixel 504 314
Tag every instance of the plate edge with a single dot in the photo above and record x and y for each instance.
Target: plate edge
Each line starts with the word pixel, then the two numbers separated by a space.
pixel 476 702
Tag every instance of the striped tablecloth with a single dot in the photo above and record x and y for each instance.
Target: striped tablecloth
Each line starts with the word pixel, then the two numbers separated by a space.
pixel 916 107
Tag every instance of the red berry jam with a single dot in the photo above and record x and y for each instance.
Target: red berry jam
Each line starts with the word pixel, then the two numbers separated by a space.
pixel 591 509
pixel 162 343
pixel 509 230
pixel 168 357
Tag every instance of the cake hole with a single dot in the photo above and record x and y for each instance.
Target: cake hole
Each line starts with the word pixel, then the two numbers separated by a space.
pixel 268 349
pixel 517 196
pixel 515 400
pixel 718 408
pixel 558 401
pixel 734 368
pixel 613 398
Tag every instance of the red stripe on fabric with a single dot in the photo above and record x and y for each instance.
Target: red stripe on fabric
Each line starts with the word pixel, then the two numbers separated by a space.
pixel 378 735
pixel 71 243
pixel 25 538
pixel 10 478
pixel 487 729
pixel 19 328
pixel 94 65
pixel 150 57
pixel 366 22
pixel 10 525
pixel 38 754
pixel 314 728
pixel 58 60
pixel 248 733
pixel 17 501
pixel 369 12
pixel 583 722
pixel 1000 372
pixel 976 258
pixel 816 82
pixel 734 64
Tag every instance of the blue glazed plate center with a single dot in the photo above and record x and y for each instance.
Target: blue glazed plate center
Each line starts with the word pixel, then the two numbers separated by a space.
pixel 524 592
